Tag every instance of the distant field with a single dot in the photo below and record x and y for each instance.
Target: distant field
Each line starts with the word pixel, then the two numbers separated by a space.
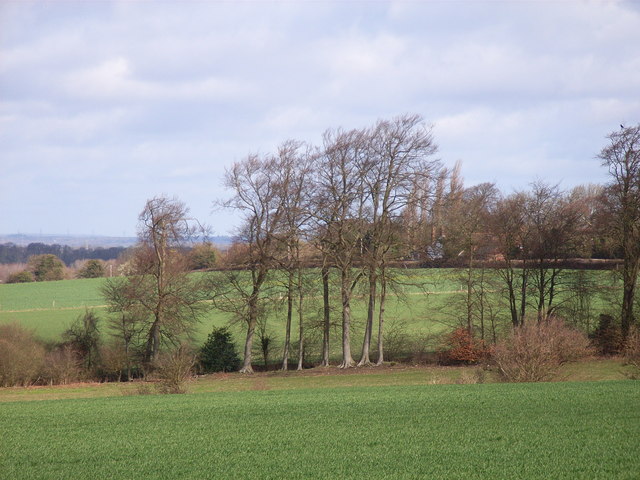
pixel 50 307
pixel 490 431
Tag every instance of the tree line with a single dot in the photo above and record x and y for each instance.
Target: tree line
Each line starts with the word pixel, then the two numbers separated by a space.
pixel 356 207
pixel 12 253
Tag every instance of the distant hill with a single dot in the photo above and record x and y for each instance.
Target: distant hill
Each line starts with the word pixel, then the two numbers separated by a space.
pixel 75 241
pixel 87 241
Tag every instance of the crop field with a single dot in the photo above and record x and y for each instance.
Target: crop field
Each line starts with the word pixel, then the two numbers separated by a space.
pixel 549 430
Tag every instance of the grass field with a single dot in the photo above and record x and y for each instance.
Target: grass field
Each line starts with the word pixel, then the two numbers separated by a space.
pixel 50 307
pixel 549 430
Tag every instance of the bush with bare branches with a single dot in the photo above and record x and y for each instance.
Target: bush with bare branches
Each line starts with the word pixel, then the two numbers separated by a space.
pixel 63 366
pixel 21 356
pixel 534 351
pixel 174 370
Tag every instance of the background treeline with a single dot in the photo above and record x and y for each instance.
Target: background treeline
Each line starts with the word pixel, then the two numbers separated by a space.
pixel 12 253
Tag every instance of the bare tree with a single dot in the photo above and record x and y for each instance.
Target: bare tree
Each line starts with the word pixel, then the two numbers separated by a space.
pixel 468 232
pixel 339 216
pixel 258 198
pixel 554 237
pixel 160 283
pixel 292 172
pixel 398 155
pixel 512 231
pixel 157 299
pixel 622 201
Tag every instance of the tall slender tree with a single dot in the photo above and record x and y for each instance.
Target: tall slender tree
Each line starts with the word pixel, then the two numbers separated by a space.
pixel 340 216
pixel 399 153
pixel 622 202
pixel 258 197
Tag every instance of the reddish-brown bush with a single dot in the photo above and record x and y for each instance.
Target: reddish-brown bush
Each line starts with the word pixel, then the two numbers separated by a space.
pixel 21 356
pixel 460 347
pixel 535 351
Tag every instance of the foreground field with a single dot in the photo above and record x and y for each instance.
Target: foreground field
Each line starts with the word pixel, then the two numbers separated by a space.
pixel 550 430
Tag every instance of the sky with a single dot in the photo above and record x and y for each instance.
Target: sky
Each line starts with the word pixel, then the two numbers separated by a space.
pixel 104 105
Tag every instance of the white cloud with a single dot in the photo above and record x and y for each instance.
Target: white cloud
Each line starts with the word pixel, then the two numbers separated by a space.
pixel 141 98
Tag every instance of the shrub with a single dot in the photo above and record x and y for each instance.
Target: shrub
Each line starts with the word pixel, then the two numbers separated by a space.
pixel 114 362
pixel 218 354
pixel 21 356
pixel 631 351
pixel 21 277
pixel 83 336
pixel 91 269
pixel 46 267
pixel 607 337
pixel 174 369
pixel 535 351
pixel 203 256
pixel 461 348
pixel 62 366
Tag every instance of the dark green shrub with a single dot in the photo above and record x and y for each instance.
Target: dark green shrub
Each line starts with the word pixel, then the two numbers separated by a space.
pixel 218 354
pixel 46 267
pixel 607 338
pixel 21 277
pixel 91 269
pixel 203 256
pixel 83 337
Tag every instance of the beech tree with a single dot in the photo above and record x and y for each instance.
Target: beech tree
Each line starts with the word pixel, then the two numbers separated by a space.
pixel 398 155
pixel 622 203
pixel 258 198
pixel 292 171
pixel 340 216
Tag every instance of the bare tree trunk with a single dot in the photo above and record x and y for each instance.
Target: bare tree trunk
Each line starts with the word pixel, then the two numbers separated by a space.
pixel 345 290
pixel 481 303
pixel 366 344
pixel 251 325
pixel 523 293
pixel 470 292
pixel 383 298
pixel 630 271
pixel 248 345
pixel 300 319
pixel 287 335
pixel 153 342
pixel 326 330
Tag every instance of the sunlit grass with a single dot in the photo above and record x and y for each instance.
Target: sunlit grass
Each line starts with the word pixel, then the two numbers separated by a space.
pixel 499 431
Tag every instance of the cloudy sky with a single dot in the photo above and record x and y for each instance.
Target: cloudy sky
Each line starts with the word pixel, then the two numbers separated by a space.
pixel 106 104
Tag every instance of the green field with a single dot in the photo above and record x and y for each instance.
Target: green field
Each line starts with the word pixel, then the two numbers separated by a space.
pixel 549 430
pixel 50 307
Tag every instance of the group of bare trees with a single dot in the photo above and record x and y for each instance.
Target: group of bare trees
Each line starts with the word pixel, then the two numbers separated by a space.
pixel 336 220
pixel 337 206
pixel 157 302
